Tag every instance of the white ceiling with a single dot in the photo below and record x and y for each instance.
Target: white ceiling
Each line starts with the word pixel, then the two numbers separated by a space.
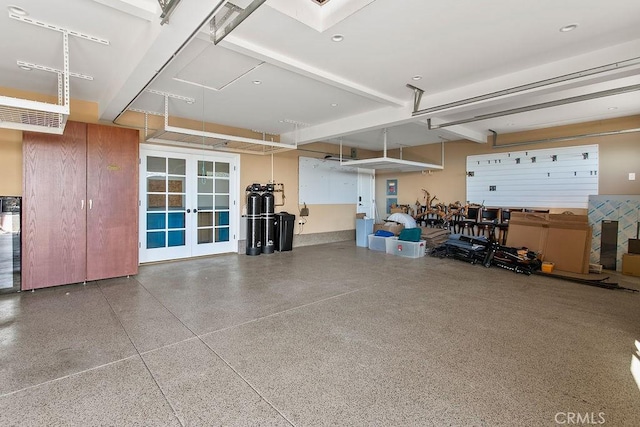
pixel 461 48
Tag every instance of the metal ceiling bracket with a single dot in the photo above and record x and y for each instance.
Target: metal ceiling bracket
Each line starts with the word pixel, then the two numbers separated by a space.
pixel 384 142
pixel 60 29
pixel 172 95
pixel 595 95
pixel 417 97
pixel 65 71
pixel 494 136
pixel 167 6
pixel 218 26
pixel 166 111
pixel 150 112
pixel 52 70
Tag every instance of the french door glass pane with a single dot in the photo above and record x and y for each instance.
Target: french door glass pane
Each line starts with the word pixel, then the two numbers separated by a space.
pixel 205 168
pixel 205 202
pixel 155 221
pixel 222 202
pixel 156 164
pixel 176 238
pixel 222 169
pixel 156 202
pixel 177 167
pixel 222 234
pixel 205 235
pixel 155 239
pixel 222 218
pixel 176 202
pixel 156 184
pixel 205 185
pixel 205 219
pixel 177 184
pixel 222 186
pixel 176 220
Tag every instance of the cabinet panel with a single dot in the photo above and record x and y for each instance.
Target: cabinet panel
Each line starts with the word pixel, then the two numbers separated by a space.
pixel 54 202
pixel 112 218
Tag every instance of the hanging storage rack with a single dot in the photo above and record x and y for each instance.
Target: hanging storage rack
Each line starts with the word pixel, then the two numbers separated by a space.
pixel 390 163
pixel 37 116
pixel 174 135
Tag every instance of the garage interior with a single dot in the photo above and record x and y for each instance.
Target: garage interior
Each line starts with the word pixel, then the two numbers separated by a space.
pixel 131 133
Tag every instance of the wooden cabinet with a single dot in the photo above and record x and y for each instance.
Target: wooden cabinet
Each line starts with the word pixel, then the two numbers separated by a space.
pixel 80 205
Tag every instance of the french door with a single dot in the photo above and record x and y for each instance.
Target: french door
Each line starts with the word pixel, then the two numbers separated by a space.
pixel 188 203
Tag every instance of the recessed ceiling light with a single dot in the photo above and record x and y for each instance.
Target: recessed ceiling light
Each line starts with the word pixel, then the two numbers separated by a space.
pixel 416 77
pixel 17 10
pixel 337 37
pixel 612 108
pixel 568 28
pixel 24 67
pixel 334 104
pixel 257 82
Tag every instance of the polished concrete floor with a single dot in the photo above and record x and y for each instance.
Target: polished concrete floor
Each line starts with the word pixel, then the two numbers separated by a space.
pixel 323 335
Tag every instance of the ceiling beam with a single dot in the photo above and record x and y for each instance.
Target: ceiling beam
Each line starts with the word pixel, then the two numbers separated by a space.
pixel 382 118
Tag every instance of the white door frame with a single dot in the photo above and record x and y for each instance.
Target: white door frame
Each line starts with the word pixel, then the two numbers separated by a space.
pixel 191 248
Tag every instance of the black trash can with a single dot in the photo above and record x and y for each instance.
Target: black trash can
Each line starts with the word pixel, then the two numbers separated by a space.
pixel 284 231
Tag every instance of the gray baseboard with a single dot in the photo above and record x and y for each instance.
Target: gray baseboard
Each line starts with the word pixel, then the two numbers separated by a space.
pixel 320 238
pixel 312 239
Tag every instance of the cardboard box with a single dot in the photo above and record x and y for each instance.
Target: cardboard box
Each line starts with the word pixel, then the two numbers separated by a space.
pixel 631 264
pixel 568 246
pixel 392 227
pixel 528 230
pixel 634 246
pixel 562 239
pixel 399 210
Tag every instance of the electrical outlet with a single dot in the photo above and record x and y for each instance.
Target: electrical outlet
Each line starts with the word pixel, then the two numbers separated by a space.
pixel 304 211
pixel 300 221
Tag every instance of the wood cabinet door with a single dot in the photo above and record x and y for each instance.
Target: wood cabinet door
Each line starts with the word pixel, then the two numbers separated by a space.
pixel 54 207
pixel 112 193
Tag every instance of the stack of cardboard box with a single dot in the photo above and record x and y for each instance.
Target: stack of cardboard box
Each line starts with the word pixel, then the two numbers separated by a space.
pixel 564 240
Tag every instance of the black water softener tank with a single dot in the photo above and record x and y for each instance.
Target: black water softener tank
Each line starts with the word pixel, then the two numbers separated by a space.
pixel 254 220
pixel 268 220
